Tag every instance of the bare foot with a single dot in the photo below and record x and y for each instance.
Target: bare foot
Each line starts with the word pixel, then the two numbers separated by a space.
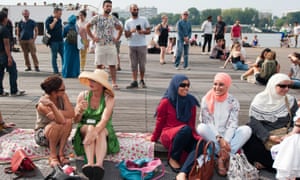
pixel 181 176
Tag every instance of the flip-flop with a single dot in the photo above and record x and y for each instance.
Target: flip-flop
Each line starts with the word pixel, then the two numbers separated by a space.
pixel 88 172
pixel 98 173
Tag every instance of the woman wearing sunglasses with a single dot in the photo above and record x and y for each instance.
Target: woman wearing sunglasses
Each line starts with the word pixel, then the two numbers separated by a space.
pixel 54 119
pixel 271 109
pixel 175 125
pixel 219 121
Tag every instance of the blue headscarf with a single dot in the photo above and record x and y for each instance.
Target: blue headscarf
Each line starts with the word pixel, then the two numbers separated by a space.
pixel 72 19
pixel 182 104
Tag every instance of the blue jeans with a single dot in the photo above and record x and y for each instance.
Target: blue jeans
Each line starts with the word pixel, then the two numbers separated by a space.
pixel 184 141
pixel 240 137
pixel 13 74
pixel 185 48
pixel 296 83
pixel 56 47
pixel 240 66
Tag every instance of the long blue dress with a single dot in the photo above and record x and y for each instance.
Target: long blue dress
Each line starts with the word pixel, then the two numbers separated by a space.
pixel 71 65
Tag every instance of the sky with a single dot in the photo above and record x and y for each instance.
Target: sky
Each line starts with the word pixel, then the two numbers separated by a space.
pixel 277 7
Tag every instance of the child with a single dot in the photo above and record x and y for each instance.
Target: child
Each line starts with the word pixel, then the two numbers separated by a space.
pixel 255 41
pixel 294 73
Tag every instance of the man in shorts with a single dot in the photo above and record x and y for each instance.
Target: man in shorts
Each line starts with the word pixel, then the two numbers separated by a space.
pixel 105 52
pixel 136 29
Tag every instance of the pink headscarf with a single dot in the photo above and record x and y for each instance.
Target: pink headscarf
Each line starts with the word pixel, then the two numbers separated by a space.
pixel 211 96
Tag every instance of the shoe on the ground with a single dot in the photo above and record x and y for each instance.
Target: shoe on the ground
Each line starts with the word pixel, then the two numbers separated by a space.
pixel 3 94
pixel 203 53
pixel 133 85
pixel 243 78
pixel 37 69
pixel 187 68
pixel 177 68
pixel 142 84
pixel 118 68
pixel 28 69
pixel 19 93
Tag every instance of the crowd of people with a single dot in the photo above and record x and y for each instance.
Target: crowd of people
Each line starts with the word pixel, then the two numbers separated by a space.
pixel 175 115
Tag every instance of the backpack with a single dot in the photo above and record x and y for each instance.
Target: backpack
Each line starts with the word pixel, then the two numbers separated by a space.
pixel 71 37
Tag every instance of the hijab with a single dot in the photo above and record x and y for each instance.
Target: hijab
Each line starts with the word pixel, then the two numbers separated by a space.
pixel 211 97
pixel 182 104
pixel 268 105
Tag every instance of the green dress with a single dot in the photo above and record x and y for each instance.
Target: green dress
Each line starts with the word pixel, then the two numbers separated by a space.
pixel 96 114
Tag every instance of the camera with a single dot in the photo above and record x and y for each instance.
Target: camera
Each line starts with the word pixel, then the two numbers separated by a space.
pixel 138 27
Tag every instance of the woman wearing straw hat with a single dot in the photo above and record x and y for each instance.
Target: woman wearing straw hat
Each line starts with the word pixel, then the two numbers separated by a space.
pixel 95 136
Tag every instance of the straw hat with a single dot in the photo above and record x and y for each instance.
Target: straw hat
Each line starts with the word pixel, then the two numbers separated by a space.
pixel 100 76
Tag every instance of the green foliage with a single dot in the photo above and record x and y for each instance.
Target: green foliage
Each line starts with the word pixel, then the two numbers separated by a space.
pixel 246 16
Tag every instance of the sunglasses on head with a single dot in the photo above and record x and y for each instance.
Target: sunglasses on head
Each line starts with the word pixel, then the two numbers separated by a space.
pixel 283 86
pixel 183 85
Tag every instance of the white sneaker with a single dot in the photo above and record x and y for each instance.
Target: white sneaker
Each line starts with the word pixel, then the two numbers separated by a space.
pixel 203 53
pixel 243 78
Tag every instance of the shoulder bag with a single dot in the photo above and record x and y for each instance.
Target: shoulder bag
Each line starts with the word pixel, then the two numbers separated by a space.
pixel 281 131
pixel 241 169
pixel 142 169
pixel 203 167
pixel 21 165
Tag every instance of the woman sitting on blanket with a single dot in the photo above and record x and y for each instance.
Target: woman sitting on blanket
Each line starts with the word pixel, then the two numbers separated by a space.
pixel 54 119
pixel 95 136
pixel 175 125
pixel 219 121
pixel 271 109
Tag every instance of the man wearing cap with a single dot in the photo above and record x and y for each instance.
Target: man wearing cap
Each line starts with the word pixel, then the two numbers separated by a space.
pixel 27 32
pixel 105 52
pixel 135 30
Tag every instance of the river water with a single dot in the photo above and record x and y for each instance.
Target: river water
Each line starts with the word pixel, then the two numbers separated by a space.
pixel 265 39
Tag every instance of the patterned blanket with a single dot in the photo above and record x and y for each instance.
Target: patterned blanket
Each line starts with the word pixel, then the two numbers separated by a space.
pixel 133 146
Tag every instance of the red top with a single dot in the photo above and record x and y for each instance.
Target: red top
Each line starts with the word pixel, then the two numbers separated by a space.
pixel 236 31
pixel 167 125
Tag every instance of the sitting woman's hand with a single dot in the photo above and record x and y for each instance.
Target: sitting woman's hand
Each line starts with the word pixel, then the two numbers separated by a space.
pixel 148 138
pixel 9 125
pixel 90 137
pixel 46 101
pixel 224 145
pixel 275 139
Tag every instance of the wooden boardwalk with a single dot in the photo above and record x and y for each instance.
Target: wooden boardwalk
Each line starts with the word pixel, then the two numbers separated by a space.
pixel 134 108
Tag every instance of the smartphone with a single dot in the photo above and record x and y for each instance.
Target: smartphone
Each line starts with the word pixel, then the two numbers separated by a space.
pixel 138 27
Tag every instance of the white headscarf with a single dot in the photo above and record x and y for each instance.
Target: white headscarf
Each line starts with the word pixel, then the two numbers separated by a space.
pixel 268 105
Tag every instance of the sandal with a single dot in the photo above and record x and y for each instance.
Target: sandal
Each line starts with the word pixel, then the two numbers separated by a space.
pixel 64 160
pixel 115 87
pixel 53 161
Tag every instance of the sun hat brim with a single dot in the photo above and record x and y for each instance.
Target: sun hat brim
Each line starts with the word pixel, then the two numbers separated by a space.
pixel 99 76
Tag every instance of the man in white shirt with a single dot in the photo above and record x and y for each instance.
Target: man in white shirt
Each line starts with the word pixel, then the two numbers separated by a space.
pixel 207 29
pixel 296 32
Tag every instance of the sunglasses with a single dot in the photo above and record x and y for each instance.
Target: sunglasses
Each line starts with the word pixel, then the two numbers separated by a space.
pixel 283 86
pixel 61 90
pixel 183 85
pixel 186 14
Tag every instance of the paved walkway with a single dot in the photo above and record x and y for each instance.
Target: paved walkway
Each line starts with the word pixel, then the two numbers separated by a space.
pixel 134 109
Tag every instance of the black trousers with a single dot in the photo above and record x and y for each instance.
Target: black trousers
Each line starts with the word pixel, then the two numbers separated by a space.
pixel 207 40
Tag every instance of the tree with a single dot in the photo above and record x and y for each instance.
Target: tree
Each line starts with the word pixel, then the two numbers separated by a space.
pixel 194 16
pixel 210 12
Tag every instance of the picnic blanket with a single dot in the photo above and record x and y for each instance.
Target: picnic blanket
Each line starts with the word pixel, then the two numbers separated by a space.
pixel 132 146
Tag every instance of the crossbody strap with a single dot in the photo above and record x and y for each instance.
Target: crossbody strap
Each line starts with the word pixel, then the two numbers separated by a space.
pixel 289 110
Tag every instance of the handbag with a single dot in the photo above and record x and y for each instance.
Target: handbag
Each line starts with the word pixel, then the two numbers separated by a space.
pixel 203 167
pixel 46 38
pixel 241 169
pixel 281 131
pixel 21 165
pixel 142 169
pixel 58 174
